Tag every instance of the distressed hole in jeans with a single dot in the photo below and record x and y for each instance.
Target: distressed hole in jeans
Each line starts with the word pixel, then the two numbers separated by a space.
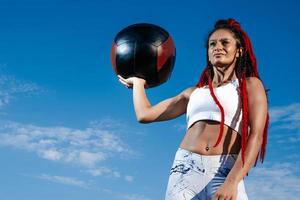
pixel 198 169
pixel 180 168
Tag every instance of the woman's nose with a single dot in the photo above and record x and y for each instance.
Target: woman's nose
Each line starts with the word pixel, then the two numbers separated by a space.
pixel 218 47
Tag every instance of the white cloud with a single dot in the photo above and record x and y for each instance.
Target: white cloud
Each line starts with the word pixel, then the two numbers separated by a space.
pixel 10 86
pixel 87 148
pixel 280 180
pixel 71 181
pixel 50 154
pixel 288 114
pixel 276 182
pixel 135 197
pixel 117 174
pixel 64 180
pixel 128 178
pixel 285 127
pixel 100 171
pixel 90 159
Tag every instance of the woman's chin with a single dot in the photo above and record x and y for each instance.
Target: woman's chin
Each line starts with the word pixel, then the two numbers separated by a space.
pixel 220 64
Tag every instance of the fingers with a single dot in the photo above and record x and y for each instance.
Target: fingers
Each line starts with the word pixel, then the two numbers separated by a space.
pixel 215 197
pixel 122 80
pixel 124 83
pixel 221 197
pixel 128 82
pixel 119 76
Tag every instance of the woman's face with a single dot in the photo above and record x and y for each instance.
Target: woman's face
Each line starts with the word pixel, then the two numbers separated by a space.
pixel 222 50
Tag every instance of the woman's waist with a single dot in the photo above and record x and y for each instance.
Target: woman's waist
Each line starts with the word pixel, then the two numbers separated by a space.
pixel 202 139
pixel 201 149
pixel 211 161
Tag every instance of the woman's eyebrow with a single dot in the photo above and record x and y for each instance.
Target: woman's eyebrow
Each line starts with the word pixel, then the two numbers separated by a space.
pixel 225 39
pixel 222 39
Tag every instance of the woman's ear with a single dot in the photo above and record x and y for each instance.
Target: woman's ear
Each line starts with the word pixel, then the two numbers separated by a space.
pixel 240 52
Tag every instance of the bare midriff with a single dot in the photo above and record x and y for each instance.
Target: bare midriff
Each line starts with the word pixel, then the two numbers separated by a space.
pixel 204 133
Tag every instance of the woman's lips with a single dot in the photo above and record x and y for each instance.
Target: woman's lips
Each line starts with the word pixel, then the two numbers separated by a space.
pixel 218 54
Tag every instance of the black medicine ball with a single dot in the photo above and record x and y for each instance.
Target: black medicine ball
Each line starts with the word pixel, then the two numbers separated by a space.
pixel 144 50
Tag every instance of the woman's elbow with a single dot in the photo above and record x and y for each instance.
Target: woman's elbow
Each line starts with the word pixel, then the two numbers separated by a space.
pixel 143 119
pixel 257 138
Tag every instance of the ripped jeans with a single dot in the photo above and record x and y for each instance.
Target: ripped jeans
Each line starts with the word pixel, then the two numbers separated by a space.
pixel 198 177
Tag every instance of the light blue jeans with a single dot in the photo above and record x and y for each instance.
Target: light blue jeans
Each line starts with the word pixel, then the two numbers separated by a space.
pixel 197 177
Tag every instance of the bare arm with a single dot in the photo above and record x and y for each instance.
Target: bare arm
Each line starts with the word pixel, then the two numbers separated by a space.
pixel 257 107
pixel 164 110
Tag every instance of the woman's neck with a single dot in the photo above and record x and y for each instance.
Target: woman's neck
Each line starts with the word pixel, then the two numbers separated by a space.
pixel 221 77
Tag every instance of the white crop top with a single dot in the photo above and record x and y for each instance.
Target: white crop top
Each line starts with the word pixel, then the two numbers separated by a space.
pixel 201 105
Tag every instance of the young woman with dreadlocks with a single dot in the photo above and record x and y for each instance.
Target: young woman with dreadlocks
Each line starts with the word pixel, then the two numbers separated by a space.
pixel 227 120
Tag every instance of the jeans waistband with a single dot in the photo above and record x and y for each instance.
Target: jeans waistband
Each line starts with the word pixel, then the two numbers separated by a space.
pixel 210 160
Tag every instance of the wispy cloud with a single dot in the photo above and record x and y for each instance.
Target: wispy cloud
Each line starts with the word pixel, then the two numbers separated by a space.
pixel 101 170
pixel 90 185
pixel 281 180
pixel 179 127
pixel 87 148
pixel 135 197
pixel 286 117
pixel 129 178
pixel 72 181
pixel 10 86
pixel 64 180
pixel 276 182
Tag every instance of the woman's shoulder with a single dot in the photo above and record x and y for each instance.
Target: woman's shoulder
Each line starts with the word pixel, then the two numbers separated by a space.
pixel 253 79
pixel 188 91
pixel 254 82
pixel 254 85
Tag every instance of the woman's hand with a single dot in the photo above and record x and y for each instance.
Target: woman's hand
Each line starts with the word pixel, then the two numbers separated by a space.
pixel 227 191
pixel 129 82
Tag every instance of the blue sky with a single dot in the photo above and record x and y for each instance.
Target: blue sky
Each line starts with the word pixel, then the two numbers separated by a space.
pixel 68 128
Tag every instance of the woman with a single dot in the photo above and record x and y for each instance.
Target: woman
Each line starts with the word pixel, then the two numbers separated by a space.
pixel 227 119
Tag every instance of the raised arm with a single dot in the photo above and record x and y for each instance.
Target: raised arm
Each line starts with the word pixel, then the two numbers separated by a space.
pixel 164 110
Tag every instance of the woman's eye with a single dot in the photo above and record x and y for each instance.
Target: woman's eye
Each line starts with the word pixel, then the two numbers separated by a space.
pixel 212 44
pixel 225 43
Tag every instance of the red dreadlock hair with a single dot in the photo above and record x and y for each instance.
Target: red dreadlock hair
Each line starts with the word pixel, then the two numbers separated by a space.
pixel 245 67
